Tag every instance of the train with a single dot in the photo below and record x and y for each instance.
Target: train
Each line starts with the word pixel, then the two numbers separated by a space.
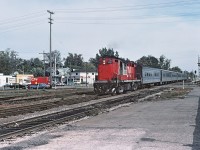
pixel 116 75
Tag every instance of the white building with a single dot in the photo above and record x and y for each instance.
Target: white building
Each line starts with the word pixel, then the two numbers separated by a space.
pixel 6 80
pixel 81 77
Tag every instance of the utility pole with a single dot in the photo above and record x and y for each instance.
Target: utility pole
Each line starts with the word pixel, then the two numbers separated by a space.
pixel 55 79
pixel 50 23
pixel 198 66
pixel 86 72
pixel 44 60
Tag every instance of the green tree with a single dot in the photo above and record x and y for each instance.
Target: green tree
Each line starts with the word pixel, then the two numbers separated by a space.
pixel 106 52
pixel 116 54
pixel 149 61
pixel 55 56
pixel 164 63
pixel 176 69
pixel 102 53
pixel 8 61
pixel 73 61
pixel 95 61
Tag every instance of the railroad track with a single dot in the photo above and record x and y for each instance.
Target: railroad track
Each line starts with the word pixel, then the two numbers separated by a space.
pixel 9 95
pixel 36 123
pixel 45 104
pixel 19 99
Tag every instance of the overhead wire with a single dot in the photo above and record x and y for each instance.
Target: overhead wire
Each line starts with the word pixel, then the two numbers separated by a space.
pixel 28 19
pixel 22 18
pixel 22 26
pixel 128 8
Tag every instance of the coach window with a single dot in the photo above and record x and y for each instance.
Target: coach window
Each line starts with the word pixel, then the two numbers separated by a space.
pixel 110 61
pixel 125 67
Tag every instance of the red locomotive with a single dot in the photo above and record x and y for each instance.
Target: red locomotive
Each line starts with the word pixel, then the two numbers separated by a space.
pixel 38 80
pixel 116 75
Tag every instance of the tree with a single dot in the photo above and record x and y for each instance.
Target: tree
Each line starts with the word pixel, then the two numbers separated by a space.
pixel 106 52
pixel 74 61
pixel 116 54
pixel 102 53
pixel 55 55
pixel 149 61
pixel 176 69
pixel 8 61
pixel 164 63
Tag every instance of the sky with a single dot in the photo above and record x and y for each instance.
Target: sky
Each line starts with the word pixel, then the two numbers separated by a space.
pixel 134 28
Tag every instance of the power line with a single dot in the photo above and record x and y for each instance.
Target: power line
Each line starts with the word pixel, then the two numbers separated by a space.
pixel 125 23
pixel 23 26
pixel 22 18
pixel 126 17
pixel 128 8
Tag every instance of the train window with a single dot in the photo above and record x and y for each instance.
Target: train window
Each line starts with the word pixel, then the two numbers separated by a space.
pixel 110 61
pixel 104 61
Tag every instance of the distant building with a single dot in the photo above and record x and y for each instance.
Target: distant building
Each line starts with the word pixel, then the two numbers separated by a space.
pixel 82 77
pixel 6 80
pixel 60 75
pixel 24 79
pixel 69 77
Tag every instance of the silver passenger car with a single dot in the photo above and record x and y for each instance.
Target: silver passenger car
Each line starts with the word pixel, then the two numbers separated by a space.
pixel 160 76
pixel 151 75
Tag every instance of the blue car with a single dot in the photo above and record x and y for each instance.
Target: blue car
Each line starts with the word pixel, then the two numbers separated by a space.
pixel 39 86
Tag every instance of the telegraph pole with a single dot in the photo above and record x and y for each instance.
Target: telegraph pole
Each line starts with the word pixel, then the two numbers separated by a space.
pixel 50 23
pixel 198 66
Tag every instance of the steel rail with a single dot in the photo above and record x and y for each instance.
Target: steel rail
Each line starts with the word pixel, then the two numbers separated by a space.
pixel 24 126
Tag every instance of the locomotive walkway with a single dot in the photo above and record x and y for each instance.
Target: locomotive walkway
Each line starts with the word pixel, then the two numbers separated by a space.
pixel 161 125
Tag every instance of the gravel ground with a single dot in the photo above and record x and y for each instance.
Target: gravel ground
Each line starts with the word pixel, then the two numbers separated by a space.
pixel 166 125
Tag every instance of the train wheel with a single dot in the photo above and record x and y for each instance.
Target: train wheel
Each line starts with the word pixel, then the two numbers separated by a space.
pixel 120 90
pixel 113 92
pixel 135 87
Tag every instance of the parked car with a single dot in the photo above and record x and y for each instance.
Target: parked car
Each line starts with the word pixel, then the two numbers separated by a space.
pixel 39 86
pixel 18 86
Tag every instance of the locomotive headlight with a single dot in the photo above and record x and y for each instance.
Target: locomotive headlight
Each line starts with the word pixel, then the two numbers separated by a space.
pixel 104 61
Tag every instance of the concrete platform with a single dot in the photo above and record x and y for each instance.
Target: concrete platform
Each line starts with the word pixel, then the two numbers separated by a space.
pixel 160 125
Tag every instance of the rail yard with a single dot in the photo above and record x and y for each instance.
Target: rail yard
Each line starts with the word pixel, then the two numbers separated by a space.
pixel 25 112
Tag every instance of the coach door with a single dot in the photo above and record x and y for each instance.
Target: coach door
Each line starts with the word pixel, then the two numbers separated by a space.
pixel 161 75
pixel 121 68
